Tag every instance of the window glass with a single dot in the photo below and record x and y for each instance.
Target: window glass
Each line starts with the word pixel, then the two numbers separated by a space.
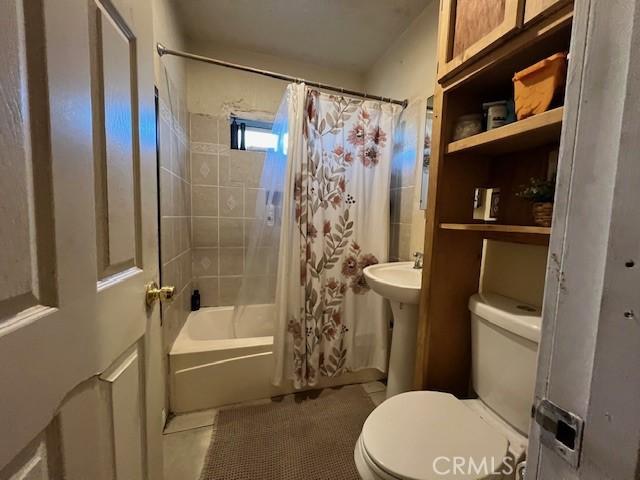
pixel 255 135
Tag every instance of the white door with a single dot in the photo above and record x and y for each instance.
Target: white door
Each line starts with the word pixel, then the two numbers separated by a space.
pixel 78 239
pixel 589 364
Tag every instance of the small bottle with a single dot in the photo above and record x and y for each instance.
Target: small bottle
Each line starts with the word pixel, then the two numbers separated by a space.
pixel 195 300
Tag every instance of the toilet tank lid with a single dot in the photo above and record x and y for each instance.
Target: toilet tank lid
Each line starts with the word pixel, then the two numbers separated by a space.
pixel 512 315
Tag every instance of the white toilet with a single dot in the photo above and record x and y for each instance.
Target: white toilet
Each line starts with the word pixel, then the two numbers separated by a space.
pixel 433 435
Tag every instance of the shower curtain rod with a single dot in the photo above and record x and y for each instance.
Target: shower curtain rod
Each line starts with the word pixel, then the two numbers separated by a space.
pixel 162 50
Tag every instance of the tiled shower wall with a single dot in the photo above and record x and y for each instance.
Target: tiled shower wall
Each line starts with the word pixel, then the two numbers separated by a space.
pixel 399 247
pixel 209 195
pixel 406 234
pixel 175 209
pixel 403 181
pixel 225 192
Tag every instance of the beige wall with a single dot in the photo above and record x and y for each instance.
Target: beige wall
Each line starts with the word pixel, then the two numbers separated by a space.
pixel 167 31
pixel 175 215
pixel 408 70
pixel 218 90
pixel 408 67
pixel 514 270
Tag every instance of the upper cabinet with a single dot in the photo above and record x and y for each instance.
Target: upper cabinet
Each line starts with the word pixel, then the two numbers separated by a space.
pixel 469 27
pixel 535 9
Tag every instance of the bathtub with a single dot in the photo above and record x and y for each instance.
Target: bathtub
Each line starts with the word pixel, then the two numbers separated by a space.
pixel 211 365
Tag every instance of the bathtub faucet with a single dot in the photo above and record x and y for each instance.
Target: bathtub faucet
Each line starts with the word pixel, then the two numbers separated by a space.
pixel 417 263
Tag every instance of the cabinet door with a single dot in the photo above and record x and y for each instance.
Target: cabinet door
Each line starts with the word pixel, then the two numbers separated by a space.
pixel 535 9
pixel 470 27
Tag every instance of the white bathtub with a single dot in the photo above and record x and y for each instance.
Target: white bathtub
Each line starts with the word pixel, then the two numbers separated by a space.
pixel 209 367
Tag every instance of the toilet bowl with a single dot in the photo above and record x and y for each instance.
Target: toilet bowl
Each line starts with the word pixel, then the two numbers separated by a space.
pixel 433 435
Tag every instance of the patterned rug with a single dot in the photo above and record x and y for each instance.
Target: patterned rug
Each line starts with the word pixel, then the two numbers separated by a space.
pixel 305 436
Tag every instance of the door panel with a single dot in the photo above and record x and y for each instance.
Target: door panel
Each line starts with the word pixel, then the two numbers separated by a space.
pixel 114 90
pixel 36 467
pixel 16 285
pixel 85 431
pixel 39 461
pixel 122 386
pixel 77 172
pixel 28 273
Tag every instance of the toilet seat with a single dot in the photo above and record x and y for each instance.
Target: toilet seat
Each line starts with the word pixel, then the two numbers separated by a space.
pixel 416 436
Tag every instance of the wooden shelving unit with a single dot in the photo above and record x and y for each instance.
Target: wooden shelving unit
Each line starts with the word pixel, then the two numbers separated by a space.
pixel 523 135
pixel 504 158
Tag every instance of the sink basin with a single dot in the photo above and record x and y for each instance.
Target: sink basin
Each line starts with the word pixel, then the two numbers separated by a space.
pixel 399 282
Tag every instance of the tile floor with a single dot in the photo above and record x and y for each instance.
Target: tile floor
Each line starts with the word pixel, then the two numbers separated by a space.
pixel 187 437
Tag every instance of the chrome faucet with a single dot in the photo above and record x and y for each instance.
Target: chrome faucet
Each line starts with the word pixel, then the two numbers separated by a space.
pixel 417 262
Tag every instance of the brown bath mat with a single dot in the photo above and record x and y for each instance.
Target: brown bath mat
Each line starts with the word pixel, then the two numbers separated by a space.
pixel 306 436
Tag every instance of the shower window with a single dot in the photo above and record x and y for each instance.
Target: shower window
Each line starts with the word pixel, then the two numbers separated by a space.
pixel 255 135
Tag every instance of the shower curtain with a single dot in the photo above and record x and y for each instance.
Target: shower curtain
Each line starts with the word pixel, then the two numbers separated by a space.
pixel 335 222
pixel 262 234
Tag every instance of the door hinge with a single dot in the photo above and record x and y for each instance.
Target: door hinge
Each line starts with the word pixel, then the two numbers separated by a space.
pixel 560 430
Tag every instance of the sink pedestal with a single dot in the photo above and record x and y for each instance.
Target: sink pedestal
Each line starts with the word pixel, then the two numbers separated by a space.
pixel 403 348
pixel 399 283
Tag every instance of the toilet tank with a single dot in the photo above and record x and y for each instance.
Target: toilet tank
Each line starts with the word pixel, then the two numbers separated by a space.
pixel 505 334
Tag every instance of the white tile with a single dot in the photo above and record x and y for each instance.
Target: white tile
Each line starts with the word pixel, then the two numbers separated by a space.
pixel 373 387
pixel 184 453
pixel 187 421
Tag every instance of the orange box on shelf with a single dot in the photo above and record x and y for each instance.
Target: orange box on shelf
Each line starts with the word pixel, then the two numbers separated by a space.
pixel 535 86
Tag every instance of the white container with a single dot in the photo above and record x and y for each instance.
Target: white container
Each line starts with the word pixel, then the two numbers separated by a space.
pixel 505 334
pixel 467 126
pixel 497 114
pixel 486 204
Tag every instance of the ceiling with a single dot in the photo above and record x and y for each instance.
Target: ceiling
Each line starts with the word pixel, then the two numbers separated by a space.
pixel 347 34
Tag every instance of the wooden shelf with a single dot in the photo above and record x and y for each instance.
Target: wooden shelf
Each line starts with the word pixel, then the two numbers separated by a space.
pixel 491 227
pixel 535 131
pixel 507 233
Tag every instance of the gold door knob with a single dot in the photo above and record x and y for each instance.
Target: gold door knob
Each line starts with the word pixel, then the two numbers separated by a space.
pixel 153 293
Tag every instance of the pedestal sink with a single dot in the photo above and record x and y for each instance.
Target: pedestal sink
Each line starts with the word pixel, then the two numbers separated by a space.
pixel 400 284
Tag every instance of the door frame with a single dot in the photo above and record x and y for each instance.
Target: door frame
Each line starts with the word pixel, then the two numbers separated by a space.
pixel 590 348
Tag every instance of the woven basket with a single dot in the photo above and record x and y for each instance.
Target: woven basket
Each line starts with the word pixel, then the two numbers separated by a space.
pixel 543 213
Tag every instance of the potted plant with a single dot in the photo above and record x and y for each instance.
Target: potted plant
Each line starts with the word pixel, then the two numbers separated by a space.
pixel 540 191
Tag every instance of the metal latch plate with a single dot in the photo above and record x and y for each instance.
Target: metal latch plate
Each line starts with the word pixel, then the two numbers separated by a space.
pixel 560 431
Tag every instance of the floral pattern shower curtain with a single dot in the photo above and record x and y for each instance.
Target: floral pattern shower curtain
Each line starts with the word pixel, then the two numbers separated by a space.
pixel 339 174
